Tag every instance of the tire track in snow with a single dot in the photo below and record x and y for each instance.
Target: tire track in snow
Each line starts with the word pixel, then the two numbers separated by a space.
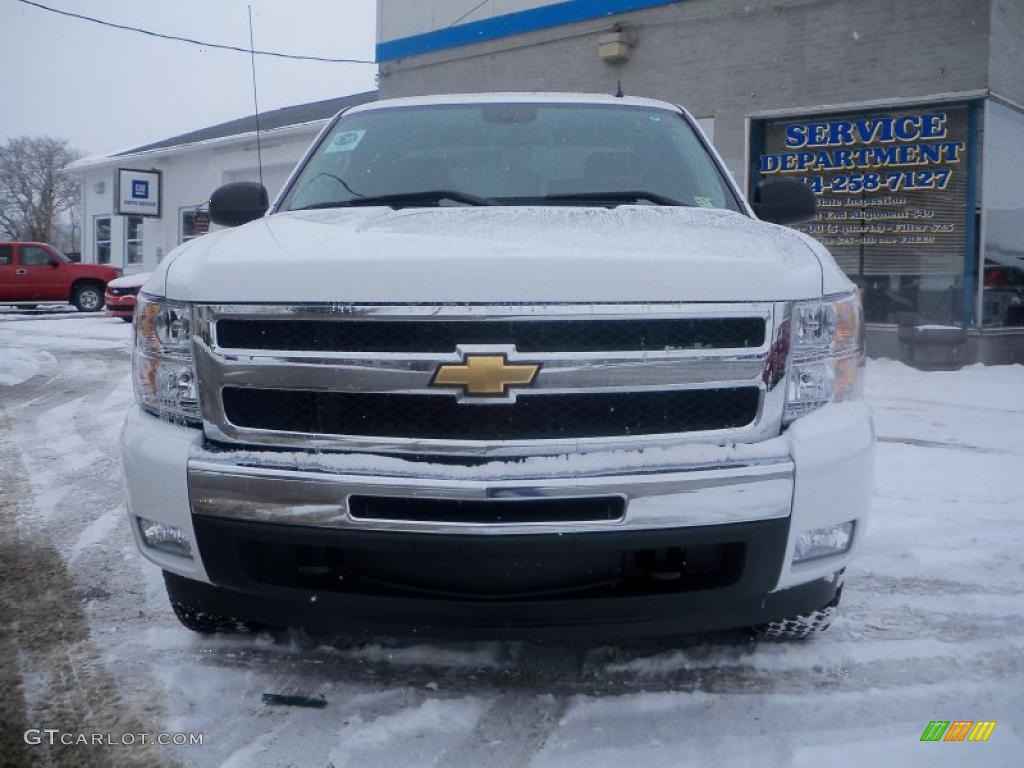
pixel 513 730
pixel 858 656
pixel 46 640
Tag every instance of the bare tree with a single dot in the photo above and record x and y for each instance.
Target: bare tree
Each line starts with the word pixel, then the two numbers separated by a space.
pixel 36 190
pixel 67 231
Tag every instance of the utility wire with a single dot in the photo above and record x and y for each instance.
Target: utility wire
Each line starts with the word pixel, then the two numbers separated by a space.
pixel 470 12
pixel 162 36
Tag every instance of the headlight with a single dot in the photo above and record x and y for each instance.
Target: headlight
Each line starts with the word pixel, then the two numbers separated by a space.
pixel 162 366
pixel 826 354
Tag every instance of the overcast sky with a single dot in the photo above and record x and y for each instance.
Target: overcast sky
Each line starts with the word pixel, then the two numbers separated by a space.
pixel 106 89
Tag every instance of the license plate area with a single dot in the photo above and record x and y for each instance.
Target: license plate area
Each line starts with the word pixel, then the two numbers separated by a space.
pixel 487 511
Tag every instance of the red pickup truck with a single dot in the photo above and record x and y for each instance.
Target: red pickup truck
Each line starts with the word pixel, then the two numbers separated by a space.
pixel 34 273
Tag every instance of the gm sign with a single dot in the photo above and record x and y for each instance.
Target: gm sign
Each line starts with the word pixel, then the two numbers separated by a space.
pixel 138 192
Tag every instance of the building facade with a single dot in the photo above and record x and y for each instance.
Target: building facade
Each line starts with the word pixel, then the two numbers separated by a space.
pixel 134 227
pixel 905 118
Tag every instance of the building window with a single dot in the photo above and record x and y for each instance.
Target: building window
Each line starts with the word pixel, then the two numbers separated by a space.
pixel 193 223
pixel 1003 277
pixel 893 190
pixel 101 239
pixel 132 239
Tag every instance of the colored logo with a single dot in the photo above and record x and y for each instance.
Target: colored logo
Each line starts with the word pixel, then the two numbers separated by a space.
pixel 345 142
pixel 485 375
pixel 958 730
pixel 140 190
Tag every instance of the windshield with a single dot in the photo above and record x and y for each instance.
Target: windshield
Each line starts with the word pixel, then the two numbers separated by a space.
pixel 511 154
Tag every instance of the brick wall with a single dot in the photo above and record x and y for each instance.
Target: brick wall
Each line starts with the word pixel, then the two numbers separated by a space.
pixel 729 59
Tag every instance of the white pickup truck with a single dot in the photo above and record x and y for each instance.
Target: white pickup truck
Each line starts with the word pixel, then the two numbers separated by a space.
pixel 502 366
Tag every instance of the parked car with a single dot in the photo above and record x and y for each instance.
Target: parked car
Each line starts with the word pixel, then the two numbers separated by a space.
pixel 37 273
pixel 120 295
pixel 503 365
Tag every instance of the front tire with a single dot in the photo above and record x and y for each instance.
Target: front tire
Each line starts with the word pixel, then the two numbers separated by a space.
pixel 88 298
pixel 803 626
pixel 194 616
pixel 206 623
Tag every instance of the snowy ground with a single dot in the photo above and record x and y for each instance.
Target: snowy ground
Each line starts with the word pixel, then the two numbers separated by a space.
pixel 931 626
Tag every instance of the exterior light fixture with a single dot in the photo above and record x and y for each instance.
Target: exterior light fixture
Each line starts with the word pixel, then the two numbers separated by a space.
pixel 166 538
pixel 823 542
pixel 614 47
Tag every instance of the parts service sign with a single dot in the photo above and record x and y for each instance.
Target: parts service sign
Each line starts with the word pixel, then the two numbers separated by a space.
pixel 891 186
pixel 138 192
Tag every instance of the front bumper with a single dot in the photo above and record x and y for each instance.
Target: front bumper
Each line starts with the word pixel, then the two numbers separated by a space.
pixel 468 595
pixel 757 497
pixel 122 305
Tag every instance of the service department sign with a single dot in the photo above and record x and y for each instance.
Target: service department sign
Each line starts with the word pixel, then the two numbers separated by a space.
pixel 138 192
pixel 892 185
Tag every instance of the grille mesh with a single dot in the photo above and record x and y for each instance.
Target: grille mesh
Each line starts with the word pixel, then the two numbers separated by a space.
pixel 482 511
pixel 531 417
pixel 527 335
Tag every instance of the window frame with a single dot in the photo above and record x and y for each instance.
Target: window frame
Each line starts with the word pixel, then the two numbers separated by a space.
pixel 96 241
pixel 963 292
pixel 193 209
pixel 128 241
pixel 24 247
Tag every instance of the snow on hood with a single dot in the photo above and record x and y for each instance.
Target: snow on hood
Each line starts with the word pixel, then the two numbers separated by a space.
pixel 131 281
pixel 497 254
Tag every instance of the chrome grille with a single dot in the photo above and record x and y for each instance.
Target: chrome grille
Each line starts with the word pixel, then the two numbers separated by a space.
pixel 538 417
pixel 358 378
pixel 629 335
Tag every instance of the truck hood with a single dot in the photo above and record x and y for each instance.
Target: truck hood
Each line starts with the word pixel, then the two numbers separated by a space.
pixel 496 255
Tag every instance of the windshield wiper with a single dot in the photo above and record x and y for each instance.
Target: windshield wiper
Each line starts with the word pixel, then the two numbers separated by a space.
pixel 611 198
pixel 404 200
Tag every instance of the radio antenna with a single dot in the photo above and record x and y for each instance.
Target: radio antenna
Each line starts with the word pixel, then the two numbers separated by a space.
pixel 255 101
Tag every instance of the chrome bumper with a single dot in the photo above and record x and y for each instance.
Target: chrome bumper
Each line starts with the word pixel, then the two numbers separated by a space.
pixel 268 475
pixel 673 498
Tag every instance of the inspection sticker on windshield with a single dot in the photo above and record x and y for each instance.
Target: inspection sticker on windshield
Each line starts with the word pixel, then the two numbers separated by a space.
pixel 344 142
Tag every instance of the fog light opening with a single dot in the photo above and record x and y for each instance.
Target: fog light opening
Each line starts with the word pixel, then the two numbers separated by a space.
pixel 165 538
pixel 823 542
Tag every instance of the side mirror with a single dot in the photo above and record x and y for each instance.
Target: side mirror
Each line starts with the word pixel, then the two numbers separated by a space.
pixel 784 201
pixel 238 203
pixel 54 262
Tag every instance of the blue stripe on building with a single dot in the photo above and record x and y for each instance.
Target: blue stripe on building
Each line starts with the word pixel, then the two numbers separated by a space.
pixel 554 15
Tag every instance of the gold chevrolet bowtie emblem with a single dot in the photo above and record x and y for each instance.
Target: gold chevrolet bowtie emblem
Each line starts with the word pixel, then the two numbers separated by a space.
pixel 485 375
